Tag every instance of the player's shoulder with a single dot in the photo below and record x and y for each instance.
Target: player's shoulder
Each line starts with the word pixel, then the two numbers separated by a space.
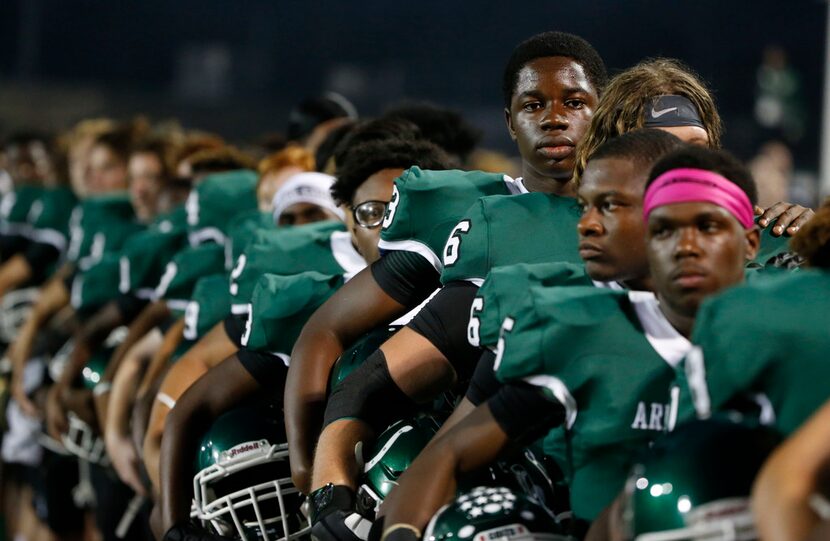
pixel 575 306
pixel 525 275
pixel 425 181
pixel 763 301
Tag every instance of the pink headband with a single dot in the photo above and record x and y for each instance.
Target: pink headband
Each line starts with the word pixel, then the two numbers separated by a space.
pixel 687 185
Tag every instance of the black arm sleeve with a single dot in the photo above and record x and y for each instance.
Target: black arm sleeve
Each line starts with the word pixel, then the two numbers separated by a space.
pixel 40 257
pixel 406 277
pixel 130 306
pixel 525 412
pixel 443 321
pixel 234 327
pixel 268 370
pixel 484 384
pixel 11 244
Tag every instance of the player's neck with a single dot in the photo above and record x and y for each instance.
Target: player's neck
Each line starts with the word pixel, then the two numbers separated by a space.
pixel 681 322
pixel 638 284
pixel 537 183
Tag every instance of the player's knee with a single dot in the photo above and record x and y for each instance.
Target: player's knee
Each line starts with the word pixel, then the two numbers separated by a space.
pixel 369 394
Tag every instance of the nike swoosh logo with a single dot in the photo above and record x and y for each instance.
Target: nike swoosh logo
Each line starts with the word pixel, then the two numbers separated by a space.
pixel 657 114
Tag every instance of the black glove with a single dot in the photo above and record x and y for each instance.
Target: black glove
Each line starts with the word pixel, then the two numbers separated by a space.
pixel 333 515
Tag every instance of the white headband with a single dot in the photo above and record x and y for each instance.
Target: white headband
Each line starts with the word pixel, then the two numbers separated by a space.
pixel 314 188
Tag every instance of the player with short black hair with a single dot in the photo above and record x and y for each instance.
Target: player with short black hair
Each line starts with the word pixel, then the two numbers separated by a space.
pixel 444 127
pixel 424 209
pixel 548 44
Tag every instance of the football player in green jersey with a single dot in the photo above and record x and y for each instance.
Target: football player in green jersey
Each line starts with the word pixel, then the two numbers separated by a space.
pixel 696 245
pixel 364 185
pixel 29 165
pixel 435 341
pixel 782 370
pixel 551 86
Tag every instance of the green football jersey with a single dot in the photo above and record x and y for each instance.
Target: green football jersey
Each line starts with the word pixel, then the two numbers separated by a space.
pixel 324 247
pixel 181 274
pixel 216 200
pixel 505 288
pixel 240 230
pixel 48 217
pixel 280 307
pixel 209 304
pixel 97 285
pixel 100 225
pixel 502 230
pixel 426 205
pixel 608 357
pixel 15 207
pixel 765 343
pixel 145 255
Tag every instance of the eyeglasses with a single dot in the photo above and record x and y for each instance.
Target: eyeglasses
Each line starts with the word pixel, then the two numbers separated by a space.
pixel 369 214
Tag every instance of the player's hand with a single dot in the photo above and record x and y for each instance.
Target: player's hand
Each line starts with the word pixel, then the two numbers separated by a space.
pixel 22 399
pixel 124 459
pixel 56 422
pixel 791 217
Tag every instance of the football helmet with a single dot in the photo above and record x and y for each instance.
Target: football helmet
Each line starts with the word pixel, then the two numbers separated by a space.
pixel 81 439
pixel 360 350
pixel 393 452
pixel 242 488
pixel 694 483
pixel 497 513
pixel 14 310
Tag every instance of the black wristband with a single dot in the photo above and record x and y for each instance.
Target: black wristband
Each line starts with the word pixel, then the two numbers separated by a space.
pixel 330 498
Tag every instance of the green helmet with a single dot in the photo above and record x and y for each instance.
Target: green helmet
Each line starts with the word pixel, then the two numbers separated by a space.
pixel 360 350
pixel 695 482
pixel 393 452
pixel 494 513
pixel 242 487
pixel 14 310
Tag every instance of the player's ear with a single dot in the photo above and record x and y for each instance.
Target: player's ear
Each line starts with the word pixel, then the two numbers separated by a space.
pixel 508 119
pixel 753 243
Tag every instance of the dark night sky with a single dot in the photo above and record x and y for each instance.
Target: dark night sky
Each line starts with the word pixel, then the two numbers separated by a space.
pixel 449 52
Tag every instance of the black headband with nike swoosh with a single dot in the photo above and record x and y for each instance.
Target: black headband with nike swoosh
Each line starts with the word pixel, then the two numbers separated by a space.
pixel 670 111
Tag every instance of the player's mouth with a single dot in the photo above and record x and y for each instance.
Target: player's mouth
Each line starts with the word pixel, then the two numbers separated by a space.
pixel 588 251
pixel 555 148
pixel 689 277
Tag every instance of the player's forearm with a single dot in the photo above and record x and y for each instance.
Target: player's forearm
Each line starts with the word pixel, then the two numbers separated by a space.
pixel 150 316
pixel 782 491
pixel 183 425
pixel 172 339
pixel 122 396
pixel 14 273
pixel 305 398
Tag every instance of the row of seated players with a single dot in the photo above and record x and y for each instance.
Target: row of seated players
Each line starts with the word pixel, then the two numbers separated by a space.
pixel 249 307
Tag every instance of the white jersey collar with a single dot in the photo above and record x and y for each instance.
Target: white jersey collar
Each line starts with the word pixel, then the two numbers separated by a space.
pixel 666 341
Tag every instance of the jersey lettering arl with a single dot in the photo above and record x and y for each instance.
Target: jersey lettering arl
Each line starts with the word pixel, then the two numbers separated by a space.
pixel 731 368
pixel 608 357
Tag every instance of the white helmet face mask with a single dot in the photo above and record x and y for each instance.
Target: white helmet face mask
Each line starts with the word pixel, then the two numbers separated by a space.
pixel 265 510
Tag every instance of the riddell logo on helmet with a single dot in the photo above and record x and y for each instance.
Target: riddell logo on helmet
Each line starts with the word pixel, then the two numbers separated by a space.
pixel 246 448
